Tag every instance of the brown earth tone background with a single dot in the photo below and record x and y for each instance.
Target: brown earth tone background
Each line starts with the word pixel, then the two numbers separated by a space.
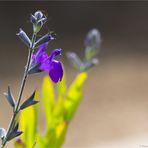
pixel 114 111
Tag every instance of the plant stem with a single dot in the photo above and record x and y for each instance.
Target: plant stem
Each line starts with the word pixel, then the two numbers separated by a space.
pixel 16 110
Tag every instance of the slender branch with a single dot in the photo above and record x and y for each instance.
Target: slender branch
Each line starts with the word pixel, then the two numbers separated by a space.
pixel 16 110
pixel 25 73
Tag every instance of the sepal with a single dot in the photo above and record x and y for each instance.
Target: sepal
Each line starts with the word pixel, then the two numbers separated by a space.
pixel 23 36
pixel 14 133
pixel 29 102
pixel 10 97
pixel 34 69
pixel 46 38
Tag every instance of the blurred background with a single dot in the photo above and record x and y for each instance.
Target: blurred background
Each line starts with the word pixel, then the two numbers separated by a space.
pixel 114 111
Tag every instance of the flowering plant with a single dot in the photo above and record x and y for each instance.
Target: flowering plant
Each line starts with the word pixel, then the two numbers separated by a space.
pixel 36 62
pixel 58 112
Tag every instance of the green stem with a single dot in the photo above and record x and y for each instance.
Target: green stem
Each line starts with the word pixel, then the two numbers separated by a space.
pixel 16 110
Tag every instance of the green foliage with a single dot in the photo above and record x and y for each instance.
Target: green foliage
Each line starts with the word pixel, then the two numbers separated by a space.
pixel 48 100
pixel 59 111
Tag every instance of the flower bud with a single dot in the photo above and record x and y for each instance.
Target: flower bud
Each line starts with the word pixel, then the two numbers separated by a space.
pixel 38 14
pixel 37 27
pixel 33 19
pixel 46 38
pixel 38 19
pixel 23 36
pixel 44 20
pixel 93 39
pixel 92 43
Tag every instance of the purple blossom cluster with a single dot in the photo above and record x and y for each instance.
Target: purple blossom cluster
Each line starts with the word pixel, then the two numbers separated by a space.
pixel 40 61
pixel 37 61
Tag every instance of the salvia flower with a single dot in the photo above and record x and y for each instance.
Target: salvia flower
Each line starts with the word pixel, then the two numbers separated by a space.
pixel 42 62
pixel 23 36
pixel 38 19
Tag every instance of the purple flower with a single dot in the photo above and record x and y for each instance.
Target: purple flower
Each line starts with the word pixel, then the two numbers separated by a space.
pixel 42 62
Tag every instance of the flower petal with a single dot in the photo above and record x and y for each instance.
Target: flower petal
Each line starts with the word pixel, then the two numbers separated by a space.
pixel 43 47
pixel 56 71
pixel 55 53
pixel 41 54
pixel 40 58
pixel 45 66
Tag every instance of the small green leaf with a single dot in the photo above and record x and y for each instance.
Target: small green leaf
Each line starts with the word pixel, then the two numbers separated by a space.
pixel 48 100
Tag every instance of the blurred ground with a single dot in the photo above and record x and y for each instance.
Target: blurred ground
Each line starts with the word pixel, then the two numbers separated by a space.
pixel 114 111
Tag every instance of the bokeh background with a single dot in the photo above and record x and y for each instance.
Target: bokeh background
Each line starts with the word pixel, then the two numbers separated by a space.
pixel 114 111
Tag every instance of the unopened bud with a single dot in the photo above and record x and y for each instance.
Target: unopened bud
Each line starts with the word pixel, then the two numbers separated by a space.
pixel 23 36
pixel 38 14
pixel 46 38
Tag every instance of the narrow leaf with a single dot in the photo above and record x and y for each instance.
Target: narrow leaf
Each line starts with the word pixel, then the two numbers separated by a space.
pixel 29 102
pixel 16 127
pixel 48 99
pixel 61 86
pixel 14 133
pixel 34 69
pixel 10 97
